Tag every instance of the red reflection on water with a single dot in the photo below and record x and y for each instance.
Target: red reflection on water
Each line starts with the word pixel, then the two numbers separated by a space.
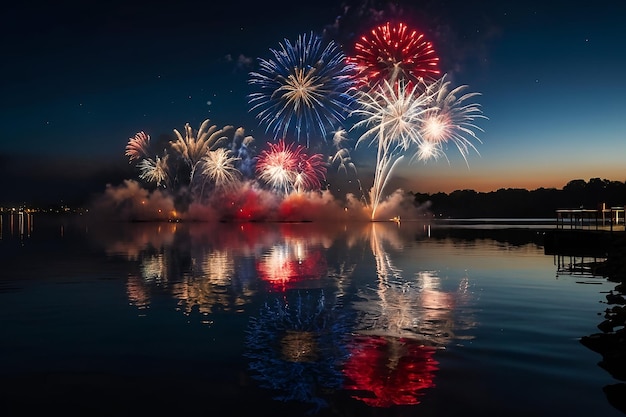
pixel 286 266
pixel 389 371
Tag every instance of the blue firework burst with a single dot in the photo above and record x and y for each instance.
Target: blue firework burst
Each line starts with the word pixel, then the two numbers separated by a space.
pixel 306 89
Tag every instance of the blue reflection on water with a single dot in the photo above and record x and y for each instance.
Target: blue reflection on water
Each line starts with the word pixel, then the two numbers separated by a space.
pixel 296 348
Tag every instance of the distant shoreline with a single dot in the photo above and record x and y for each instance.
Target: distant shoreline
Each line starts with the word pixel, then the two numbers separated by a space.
pixel 496 220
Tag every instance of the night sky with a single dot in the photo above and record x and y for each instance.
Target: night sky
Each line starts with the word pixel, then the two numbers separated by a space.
pixel 80 78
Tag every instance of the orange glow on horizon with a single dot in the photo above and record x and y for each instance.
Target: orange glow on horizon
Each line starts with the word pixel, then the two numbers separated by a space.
pixel 481 180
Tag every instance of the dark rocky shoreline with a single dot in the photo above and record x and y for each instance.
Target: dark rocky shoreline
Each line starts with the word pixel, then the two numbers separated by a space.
pixel 610 342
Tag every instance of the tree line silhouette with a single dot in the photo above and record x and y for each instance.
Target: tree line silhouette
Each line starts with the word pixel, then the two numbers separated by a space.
pixel 522 203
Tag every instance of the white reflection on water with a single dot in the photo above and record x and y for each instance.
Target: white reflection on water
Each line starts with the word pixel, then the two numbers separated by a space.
pixel 405 305
pixel 19 224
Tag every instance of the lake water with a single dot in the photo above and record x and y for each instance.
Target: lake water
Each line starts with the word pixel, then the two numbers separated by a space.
pixel 354 319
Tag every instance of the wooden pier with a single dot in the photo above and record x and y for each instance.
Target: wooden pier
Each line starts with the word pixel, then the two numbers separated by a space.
pixel 585 232
pixel 610 219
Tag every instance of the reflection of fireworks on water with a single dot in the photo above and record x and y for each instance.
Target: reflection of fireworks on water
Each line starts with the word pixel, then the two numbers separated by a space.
pixel 285 266
pixel 391 53
pixel 154 269
pixel 294 346
pixel 305 87
pixel 288 167
pixel 153 273
pixel 400 324
pixel 218 280
pixel 276 267
pixel 386 371
pixel 201 276
pixel 414 308
pixel 384 266
pixel 137 293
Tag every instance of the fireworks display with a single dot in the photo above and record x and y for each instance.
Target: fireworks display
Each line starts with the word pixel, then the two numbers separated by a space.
pixel 308 97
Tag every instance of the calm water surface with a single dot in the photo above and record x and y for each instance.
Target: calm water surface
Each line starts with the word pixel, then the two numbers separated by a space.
pixel 374 319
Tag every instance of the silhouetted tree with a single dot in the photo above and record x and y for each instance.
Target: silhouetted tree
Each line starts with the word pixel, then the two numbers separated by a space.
pixel 522 203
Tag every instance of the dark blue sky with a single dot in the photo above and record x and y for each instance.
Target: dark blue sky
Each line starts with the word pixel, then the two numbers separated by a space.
pixel 80 78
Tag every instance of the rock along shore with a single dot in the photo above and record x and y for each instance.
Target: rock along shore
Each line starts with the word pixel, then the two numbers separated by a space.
pixel 610 342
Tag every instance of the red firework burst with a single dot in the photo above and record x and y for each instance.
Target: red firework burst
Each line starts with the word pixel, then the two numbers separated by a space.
pixel 311 172
pixel 288 167
pixel 394 53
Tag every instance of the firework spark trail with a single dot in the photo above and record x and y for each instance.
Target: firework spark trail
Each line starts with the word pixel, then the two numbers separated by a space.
pixel 394 53
pixel 276 165
pixel 343 158
pixel 154 170
pixel 138 146
pixel 391 116
pixel 311 171
pixel 306 87
pixel 218 166
pixel 151 169
pixel 242 147
pixel 195 145
pixel 450 118
pixel 342 154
